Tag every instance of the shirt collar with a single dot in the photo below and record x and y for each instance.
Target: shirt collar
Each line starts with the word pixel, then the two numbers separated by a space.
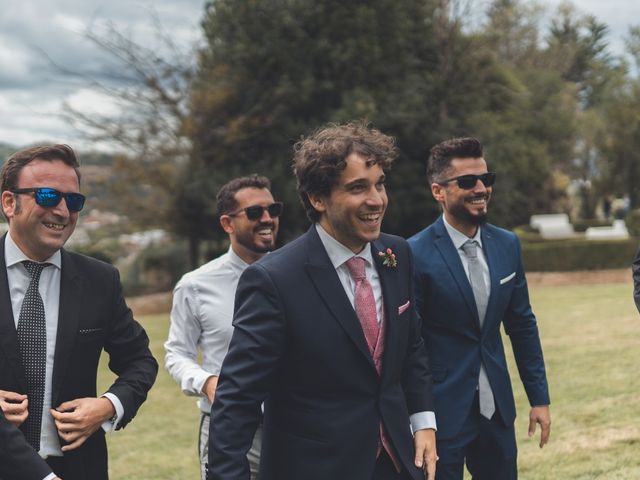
pixel 13 254
pixel 235 259
pixel 338 253
pixel 458 238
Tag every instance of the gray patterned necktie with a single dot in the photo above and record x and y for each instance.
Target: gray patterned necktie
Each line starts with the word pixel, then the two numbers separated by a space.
pixel 32 338
pixel 481 295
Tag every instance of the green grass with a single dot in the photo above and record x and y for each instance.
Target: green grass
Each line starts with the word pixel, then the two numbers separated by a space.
pixel 591 341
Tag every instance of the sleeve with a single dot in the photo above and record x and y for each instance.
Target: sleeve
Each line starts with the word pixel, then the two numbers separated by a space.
pixel 521 326
pixel 18 461
pixel 635 268
pixel 129 356
pixel 257 344
pixel 417 381
pixel 181 346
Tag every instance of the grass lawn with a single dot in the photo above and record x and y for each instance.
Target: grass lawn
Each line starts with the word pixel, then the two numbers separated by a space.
pixel 591 341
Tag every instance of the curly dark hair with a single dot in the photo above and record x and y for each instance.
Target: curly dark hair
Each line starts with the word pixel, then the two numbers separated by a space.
pixel 226 197
pixel 15 163
pixel 439 160
pixel 320 158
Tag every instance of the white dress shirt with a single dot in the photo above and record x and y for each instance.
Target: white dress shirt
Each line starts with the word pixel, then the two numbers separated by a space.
pixel 459 239
pixel 49 289
pixel 339 254
pixel 201 320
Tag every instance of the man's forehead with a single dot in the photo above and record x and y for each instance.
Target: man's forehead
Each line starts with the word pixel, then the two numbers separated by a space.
pixel 253 195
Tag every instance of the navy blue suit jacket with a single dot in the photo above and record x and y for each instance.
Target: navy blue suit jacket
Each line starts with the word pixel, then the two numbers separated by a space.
pixel 451 329
pixel 298 344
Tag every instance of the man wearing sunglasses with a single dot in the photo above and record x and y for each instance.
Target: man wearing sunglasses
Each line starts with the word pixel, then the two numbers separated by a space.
pixel 325 333
pixel 469 281
pixel 203 299
pixel 58 311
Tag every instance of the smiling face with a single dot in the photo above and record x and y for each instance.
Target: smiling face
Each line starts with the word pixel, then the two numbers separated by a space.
pixel 353 211
pixel 464 209
pixel 251 239
pixel 38 231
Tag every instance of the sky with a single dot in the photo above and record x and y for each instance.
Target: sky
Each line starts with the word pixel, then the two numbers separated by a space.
pixel 39 38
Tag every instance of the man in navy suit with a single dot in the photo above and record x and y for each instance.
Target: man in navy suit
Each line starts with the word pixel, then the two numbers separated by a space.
pixel 326 334
pixel 469 281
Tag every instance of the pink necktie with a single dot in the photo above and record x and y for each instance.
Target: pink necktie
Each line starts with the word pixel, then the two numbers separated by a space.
pixel 364 302
pixel 365 306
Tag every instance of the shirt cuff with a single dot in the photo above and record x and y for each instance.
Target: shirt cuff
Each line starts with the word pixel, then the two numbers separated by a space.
pixel 422 420
pixel 51 476
pixel 113 422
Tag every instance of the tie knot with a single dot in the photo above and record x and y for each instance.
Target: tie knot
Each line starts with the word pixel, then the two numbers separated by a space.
pixel 356 268
pixel 34 268
pixel 470 248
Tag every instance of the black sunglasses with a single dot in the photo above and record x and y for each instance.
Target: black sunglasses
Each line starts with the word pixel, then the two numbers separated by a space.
pixel 50 197
pixel 467 182
pixel 255 212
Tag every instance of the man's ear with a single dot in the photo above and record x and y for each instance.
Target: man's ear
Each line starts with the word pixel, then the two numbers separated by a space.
pixel 226 224
pixel 318 202
pixel 437 191
pixel 9 201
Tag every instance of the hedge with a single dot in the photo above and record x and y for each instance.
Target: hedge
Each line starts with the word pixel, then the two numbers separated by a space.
pixel 578 254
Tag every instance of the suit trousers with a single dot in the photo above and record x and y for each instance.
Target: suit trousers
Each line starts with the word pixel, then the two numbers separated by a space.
pixel 203 449
pixel 385 470
pixel 487 446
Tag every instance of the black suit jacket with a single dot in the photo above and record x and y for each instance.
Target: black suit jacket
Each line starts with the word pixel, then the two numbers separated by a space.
pixel 298 344
pixel 18 461
pixel 93 316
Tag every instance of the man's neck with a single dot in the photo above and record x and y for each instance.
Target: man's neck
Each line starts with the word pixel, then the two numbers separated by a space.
pixel 465 228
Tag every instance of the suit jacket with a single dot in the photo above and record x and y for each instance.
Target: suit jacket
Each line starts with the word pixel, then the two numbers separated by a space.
pixel 93 316
pixel 635 268
pixel 18 461
pixel 298 344
pixel 451 327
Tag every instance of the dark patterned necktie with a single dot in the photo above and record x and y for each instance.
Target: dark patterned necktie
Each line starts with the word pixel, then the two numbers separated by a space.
pixel 32 337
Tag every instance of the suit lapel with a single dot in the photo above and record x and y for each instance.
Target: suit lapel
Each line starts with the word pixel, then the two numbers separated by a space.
pixel 68 319
pixel 492 256
pixel 8 333
pixel 452 259
pixel 390 299
pixel 326 281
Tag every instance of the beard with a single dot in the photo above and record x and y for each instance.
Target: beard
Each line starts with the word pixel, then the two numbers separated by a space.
pixel 249 239
pixel 460 212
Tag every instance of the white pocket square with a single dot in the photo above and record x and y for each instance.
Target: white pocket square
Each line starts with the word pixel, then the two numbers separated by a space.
pixel 507 278
pixel 402 308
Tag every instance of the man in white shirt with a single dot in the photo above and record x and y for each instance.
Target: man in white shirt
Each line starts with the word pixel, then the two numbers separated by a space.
pixel 58 311
pixel 203 299
pixel 326 335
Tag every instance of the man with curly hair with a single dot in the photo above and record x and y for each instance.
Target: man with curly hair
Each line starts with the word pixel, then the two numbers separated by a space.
pixel 327 335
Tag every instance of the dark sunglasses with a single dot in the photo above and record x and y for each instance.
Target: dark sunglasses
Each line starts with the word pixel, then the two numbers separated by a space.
pixel 255 212
pixel 50 197
pixel 467 182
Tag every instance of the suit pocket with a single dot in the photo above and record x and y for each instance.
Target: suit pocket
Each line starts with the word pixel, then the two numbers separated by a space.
pixel 90 334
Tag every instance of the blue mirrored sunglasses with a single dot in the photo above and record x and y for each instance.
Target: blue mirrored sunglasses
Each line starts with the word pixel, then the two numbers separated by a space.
pixel 50 197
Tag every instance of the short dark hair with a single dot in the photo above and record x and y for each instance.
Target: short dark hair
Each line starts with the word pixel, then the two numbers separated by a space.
pixel 226 197
pixel 15 163
pixel 441 155
pixel 320 158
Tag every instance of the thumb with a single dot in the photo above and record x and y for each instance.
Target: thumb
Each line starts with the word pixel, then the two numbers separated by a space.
pixel 532 426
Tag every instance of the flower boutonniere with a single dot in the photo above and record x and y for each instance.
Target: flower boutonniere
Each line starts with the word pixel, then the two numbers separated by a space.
pixel 389 258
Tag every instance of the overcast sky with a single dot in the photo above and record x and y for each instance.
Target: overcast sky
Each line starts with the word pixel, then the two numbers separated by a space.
pixel 35 34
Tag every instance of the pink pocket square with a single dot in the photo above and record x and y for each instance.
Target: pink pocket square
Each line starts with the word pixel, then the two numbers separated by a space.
pixel 402 308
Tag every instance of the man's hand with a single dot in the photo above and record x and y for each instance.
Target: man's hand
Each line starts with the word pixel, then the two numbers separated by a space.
pixel 426 456
pixel 14 406
pixel 541 415
pixel 76 420
pixel 209 387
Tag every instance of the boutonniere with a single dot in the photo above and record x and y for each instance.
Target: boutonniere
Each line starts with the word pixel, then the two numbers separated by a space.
pixel 389 258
